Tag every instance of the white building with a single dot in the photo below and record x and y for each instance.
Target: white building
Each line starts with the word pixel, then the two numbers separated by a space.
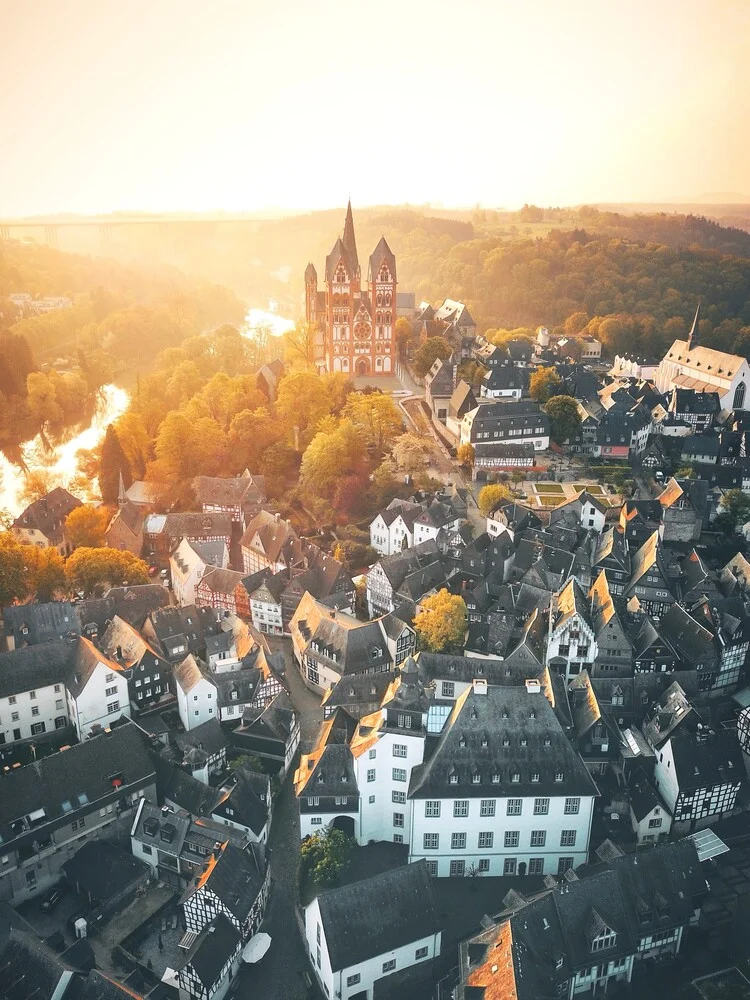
pixel 96 691
pixel 572 642
pixel 196 695
pixel 649 817
pixel 32 692
pixel 359 935
pixel 687 365
pixel 188 564
pixel 392 530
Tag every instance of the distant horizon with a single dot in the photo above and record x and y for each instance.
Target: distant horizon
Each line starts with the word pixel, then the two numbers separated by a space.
pixel 733 199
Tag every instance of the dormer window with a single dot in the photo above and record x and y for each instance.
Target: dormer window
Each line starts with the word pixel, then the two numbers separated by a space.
pixel 515 777
pixel 476 777
pixel 506 741
pixel 485 741
pixel 495 777
pixel 547 741
pixel 524 742
pixel 559 776
pixel 462 741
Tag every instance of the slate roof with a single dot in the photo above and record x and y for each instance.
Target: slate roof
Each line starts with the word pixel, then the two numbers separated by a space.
pixel 221 581
pixel 184 790
pixel 245 799
pixel 132 604
pixel 236 878
pixel 213 949
pixel 359 694
pixel 358 925
pixel 356 645
pixel 47 515
pixel 228 492
pixel 34 667
pixel 124 644
pixel 673 709
pixel 103 870
pixel 187 674
pixel 83 663
pixel 100 987
pixel 273 532
pixel 706 758
pixel 523 717
pixel 82 771
pixel 30 624
pixel 209 736
pixel 278 718
pixel 29 970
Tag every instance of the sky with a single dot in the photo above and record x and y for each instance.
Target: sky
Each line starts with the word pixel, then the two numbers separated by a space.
pixel 243 105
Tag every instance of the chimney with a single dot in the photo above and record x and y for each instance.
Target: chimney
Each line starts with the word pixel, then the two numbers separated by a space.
pixel 479 685
pixel 533 686
pixel 277 515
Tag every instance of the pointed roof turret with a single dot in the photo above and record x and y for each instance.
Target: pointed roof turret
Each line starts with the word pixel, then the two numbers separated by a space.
pixel 121 494
pixel 350 243
pixel 382 254
pixel 692 340
pixel 311 275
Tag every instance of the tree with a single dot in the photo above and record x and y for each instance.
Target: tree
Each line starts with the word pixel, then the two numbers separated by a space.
pixel 113 465
pixel 328 457
pixel 411 453
pixel 441 624
pixel 302 400
pixel 544 384
pixel 355 555
pixel 375 416
pixel 85 526
pixel 734 511
pixel 565 419
pixel 491 496
pixel 299 346
pixel 135 442
pixel 279 465
pixel 325 856
pixel 404 335
pixel 88 568
pixel 14 581
pixel 47 573
pixel 465 454
pixel 37 484
pixel 431 349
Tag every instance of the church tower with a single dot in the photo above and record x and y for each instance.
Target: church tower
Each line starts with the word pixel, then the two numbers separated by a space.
pixel 358 323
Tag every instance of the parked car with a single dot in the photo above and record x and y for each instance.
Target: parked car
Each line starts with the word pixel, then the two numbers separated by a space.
pixel 51 898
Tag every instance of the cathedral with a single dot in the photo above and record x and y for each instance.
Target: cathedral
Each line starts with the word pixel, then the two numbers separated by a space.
pixel 357 323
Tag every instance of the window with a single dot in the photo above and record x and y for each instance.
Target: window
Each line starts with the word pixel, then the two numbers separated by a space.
pixel 403 722
pixel 371 800
pixel 568 838
pixel 37 728
pixel 487 807
pixel 538 838
pixel 341 800
pixel 78 825
pixel 457 869
pixel 514 807
pixel 12 700
pixel 607 940
pixel 14 717
pixel 110 691
pixel 559 776
pixel 541 807
pixel 371 774
pixel 35 711
pixel 486 839
pixel 449 689
pixel 57 689
pixel 572 806
pixel 113 706
pixel 461 807
pixel 654 824
pixel 399 749
pixel 453 778
pixel 316 821
pixel 432 868
pixel 431 841
pixel 509 866
pixel 108 678
pixel 458 841
pixel 511 838
pixel 398 838
pixel 372 754
pixel 146 849
pixel 59 705
pixel 353 980
pixel 399 774
pixel 536 866
pixel 398 820
pixel 421 953
pixel 432 808
pixel 390 965
pixel 399 798
pixel 313 800
pixel 515 777
pixel 32 695
pixel 535 777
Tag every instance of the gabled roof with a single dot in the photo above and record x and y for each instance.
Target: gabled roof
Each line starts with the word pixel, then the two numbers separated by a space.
pixel 216 945
pixel 371 918
pixel 47 515
pixel 236 878
pixel 380 255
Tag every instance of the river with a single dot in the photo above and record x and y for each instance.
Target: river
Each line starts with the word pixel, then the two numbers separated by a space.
pixel 60 463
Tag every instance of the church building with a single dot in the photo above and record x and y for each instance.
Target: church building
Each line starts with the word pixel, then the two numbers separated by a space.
pixel 357 323
pixel 687 365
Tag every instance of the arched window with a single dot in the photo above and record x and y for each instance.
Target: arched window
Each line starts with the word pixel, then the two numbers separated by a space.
pixel 378 364
pixel 345 364
pixel 379 299
pixel 739 397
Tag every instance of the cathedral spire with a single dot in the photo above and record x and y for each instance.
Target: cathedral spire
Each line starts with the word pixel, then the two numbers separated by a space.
pixel 692 340
pixel 350 244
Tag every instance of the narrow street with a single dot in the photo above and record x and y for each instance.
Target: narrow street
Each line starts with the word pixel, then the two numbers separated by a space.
pixel 279 975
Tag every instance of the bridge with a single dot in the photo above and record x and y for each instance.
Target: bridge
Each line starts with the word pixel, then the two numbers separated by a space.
pixel 168 228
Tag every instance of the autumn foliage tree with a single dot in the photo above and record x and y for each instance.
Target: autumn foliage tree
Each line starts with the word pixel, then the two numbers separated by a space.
pixel 432 349
pixel 545 383
pixel 441 624
pixel 465 454
pixel 491 496
pixel 113 465
pixel 89 568
pixel 85 526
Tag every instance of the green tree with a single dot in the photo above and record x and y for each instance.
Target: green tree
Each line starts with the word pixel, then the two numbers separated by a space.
pixel 85 526
pixel 113 465
pixel 325 856
pixel 544 384
pixel 354 555
pixel 441 623
pixel 734 511
pixel 328 457
pixel 279 465
pixel 375 416
pixel 89 568
pixel 431 349
pixel 565 419
pixel 491 496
